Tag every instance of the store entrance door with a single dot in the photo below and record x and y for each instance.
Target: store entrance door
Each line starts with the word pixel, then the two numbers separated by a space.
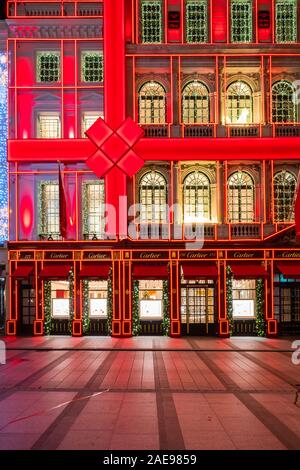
pixel 198 308
pixel 27 309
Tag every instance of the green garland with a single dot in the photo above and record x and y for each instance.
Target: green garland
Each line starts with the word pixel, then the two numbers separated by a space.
pixel 71 300
pixel 229 301
pixel 166 309
pixel 136 325
pixel 48 323
pixel 109 303
pixel 260 320
pixel 86 323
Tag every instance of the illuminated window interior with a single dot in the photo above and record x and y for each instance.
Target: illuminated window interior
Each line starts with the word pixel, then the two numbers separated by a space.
pixel 283 107
pixel 153 197
pixel 284 194
pixel 60 299
pixel 93 208
pixel 241 20
pixel 88 119
pixel 244 298
pixel 97 299
pixel 151 20
pixel 48 67
pixel 195 103
pixel 151 300
pixel 91 66
pixel 48 126
pixel 286 21
pixel 240 197
pixel 49 209
pixel 239 103
pixel 152 104
pixel 196 21
pixel 196 197
pixel 197 302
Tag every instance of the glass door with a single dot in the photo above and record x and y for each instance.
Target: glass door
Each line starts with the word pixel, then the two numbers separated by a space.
pixel 27 300
pixel 198 308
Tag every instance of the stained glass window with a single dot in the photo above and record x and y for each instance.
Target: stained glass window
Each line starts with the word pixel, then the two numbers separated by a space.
pixel 240 197
pixel 239 103
pixel 152 21
pixel 195 103
pixel 152 103
pixel 241 20
pixel 196 21
pixel 286 21
pixel 48 66
pixel 283 106
pixel 196 197
pixel 153 197
pixel 284 193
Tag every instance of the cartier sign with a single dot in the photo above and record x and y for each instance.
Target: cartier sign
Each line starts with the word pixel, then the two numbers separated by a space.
pixel 198 255
pixel 150 255
pixel 287 254
pixel 26 255
pixel 231 254
pixel 59 255
pixel 97 255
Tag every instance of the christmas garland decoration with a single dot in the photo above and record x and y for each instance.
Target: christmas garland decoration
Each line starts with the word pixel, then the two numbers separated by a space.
pixel 166 310
pixel 71 300
pixel 85 314
pixel 229 301
pixel 136 324
pixel 109 303
pixel 260 320
pixel 48 323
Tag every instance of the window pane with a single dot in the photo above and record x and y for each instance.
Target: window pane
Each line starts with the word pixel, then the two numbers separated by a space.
pixel 196 197
pixel 286 21
pixel 240 197
pixel 283 107
pixel 151 21
pixel 60 299
pixel 284 194
pixel 239 103
pixel 153 197
pixel 49 209
pixel 195 103
pixel 93 209
pixel 48 126
pixel 48 67
pixel 152 104
pixel 91 66
pixel 241 20
pixel 97 299
pixel 196 21
pixel 150 299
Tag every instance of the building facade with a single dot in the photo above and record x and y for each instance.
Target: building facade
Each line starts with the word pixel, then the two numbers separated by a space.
pixel 153 163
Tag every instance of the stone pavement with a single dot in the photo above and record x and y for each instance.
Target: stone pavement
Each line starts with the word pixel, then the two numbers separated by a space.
pixel 149 393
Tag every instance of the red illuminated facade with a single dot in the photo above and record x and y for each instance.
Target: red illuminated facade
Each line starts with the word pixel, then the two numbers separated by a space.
pixel 187 108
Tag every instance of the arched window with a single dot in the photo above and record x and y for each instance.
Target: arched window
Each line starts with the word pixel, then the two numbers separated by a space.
pixel 195 103
pixel 196 197
pixel 239 103
pixel 283 106
pixel 240 197
pixel 153 197
pixel 284 184
pixel 152 103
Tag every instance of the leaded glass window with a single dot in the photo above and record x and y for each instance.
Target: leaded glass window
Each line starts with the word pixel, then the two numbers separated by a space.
pixel 240 197
pixel 195 103
pixel 48 126
pixel 241 20
pixel 286 21
pixel 196 197
pixel 152 104
pixel 283 106
pixel 48 67
pixel 152 21
pixel 93 209
pixel 49 208
pixel 196 21
pixel 153 197
pixel 239 103
pixel 284 184
pixel 91 66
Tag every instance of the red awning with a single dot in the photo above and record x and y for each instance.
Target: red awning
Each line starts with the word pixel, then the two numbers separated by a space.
pixel 248 270
pixel 95 271
pixel 289 270
pixel 23 272
pixel 199 270
pixel 150 271
pixel 55 271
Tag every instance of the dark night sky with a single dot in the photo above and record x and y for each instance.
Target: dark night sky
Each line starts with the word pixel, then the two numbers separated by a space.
pixel 2 9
